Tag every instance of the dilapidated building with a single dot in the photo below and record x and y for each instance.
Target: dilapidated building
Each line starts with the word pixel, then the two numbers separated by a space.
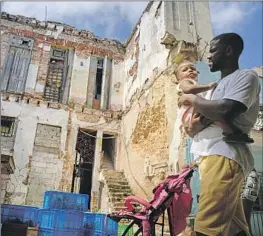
pixel 91 115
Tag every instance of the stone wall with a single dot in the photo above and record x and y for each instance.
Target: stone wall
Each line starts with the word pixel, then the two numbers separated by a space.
pixel 45 166
pixel 147 131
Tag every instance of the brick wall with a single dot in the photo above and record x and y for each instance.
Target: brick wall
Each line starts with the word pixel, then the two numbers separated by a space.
pixel 84 44
pixel 45 166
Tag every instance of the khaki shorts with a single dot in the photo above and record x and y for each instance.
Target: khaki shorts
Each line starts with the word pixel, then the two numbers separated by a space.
pixel 220 206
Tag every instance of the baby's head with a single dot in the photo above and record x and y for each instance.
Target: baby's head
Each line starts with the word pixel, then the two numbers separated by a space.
pixel 186 70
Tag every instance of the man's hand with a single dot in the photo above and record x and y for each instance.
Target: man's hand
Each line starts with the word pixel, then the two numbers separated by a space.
pixel 197 124
pixel 186 99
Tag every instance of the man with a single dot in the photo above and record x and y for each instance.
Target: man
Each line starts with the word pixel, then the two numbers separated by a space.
pixel 222 165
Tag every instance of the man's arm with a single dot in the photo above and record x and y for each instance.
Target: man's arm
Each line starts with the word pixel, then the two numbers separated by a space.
pixel 218 110
pixel 240 94
pixel 215 110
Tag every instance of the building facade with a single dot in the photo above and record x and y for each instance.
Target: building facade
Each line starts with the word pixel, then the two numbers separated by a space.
pixel 91 115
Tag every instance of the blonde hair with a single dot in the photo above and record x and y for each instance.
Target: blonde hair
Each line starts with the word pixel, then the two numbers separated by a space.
pixel 176 70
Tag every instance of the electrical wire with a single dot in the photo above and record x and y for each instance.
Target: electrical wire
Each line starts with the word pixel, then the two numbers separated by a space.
pixel 90 135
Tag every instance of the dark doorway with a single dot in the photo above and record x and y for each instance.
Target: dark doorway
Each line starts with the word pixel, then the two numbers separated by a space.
pixel 108 149
pixel 86 143
pixel 86 178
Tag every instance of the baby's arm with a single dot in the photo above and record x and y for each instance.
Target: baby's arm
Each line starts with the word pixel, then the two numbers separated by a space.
pixel 189 87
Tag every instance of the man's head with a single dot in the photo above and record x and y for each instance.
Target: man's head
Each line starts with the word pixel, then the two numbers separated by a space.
pixel 186 70
pixel 225 50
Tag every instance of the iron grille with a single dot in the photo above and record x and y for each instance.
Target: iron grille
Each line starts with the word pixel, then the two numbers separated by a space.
pixel 54 82
pixel 85 147
pixel 7 126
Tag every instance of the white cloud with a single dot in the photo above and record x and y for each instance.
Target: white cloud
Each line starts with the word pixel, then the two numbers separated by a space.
pixel 226 16
pixel 87 14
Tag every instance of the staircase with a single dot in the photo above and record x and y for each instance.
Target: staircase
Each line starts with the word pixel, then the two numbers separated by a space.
pixel 118 188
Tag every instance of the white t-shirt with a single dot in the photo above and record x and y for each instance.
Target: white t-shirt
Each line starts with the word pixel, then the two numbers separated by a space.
pixel 242 86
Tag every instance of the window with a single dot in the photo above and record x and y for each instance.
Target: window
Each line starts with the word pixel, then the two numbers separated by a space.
pixel 16 65
pixel 7 126
pixel 176 15
pixel 99 75
pixel 189 15
pixel 56 77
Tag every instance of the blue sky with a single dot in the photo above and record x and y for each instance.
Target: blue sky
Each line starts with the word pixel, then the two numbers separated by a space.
pixel 117 19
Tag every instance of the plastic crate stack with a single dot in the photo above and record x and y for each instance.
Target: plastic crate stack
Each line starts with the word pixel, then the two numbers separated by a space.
pixel 98 224
pixel 62 214
pixel 19 214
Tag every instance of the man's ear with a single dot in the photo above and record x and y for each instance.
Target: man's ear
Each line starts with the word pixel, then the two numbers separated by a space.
pixel 229 51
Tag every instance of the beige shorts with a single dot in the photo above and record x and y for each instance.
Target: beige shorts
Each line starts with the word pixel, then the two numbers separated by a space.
pixel 220 209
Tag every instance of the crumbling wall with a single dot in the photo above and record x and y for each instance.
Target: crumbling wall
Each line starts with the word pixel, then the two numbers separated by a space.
pixel 189 21
pixel 145 147
pixel 45 166
pixel 28 115
pixel 117 86
pixel 145 55
pixel 82 44
pixel 148 126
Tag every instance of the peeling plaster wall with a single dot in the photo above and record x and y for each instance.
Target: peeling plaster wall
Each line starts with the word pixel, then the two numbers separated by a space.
pixel 145 55
pixel 117 86
pixel 150 97
pixel 177 22
pixel 79 80
pixel 146 134
pixel 28 117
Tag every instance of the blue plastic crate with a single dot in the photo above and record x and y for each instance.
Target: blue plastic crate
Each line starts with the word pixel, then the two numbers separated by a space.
pixel 99 224
pixel 58 219
pixel 19 214
pixel 51 232
pixel 65 201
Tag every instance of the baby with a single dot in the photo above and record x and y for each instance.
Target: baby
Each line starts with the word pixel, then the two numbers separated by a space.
pixel 187 75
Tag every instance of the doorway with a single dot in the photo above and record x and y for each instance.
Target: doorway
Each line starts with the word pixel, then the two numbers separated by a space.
pixel 85 148
pixel 108 151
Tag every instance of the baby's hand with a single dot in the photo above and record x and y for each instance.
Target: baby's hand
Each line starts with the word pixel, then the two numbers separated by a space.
pixel 212 85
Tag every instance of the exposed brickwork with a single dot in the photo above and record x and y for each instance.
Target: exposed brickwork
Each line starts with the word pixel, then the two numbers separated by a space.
pixel 82 42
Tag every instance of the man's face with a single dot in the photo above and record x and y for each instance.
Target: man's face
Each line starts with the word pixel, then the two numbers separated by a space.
pixel 217 56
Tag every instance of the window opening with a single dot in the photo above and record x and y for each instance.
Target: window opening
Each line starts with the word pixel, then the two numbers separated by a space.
pixel 108 151
pixel 99 76
pixel 56 75
pixel 7 126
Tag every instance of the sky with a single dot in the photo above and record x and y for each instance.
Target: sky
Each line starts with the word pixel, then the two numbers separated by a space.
pixel 117 19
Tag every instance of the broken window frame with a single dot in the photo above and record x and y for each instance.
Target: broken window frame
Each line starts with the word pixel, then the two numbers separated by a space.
pixel 8 130
pixel 55 86
pixel 16 64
